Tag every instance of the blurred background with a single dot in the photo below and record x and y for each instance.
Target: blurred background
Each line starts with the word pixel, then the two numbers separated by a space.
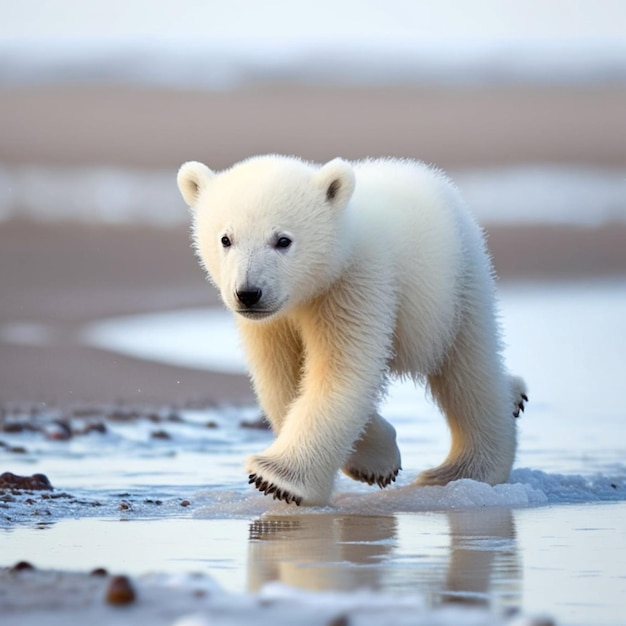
pixel 100 102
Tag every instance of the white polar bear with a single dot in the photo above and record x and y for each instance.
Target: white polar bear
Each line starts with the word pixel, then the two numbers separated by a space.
pixel 342 275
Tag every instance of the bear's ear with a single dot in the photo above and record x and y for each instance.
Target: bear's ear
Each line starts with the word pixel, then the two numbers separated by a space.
pixel 192 178
pixel 336 179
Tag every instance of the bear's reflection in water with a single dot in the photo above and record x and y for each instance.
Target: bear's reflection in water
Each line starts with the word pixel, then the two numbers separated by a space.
pixel 465 556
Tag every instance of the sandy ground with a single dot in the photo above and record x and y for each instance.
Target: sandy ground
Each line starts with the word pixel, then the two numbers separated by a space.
pixel 60 277
pixel 453 127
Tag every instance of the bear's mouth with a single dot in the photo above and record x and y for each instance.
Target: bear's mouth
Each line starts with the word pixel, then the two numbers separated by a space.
pixel 256 314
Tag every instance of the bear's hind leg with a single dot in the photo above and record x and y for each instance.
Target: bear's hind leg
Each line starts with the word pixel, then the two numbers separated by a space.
pixel 375 458
pixel 474 392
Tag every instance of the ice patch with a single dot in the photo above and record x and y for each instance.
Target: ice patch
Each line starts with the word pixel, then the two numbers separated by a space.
pixel 140 336
pixel 528 488
pixel 572 489
pixel 538 194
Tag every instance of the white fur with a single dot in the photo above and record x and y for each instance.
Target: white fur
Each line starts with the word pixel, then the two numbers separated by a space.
pixel 387 273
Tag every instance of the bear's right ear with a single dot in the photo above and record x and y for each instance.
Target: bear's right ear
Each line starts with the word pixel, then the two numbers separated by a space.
pixel 192 178
pixel 336 180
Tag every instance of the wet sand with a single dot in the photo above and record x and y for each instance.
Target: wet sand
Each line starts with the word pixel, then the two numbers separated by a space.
pixel 450 126
pixel 58 277
pixel 61 277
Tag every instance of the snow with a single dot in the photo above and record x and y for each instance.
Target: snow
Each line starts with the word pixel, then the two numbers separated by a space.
pixel 538 194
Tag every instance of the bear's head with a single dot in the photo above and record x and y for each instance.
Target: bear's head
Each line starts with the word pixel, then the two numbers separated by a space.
pixel 270 231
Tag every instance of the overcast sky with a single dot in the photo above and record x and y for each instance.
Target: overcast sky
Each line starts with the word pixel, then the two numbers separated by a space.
pixel 399 21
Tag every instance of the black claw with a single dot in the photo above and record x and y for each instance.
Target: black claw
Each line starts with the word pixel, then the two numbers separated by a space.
pixel 278 494
pixel 251 478
pixel 270 489
pixel 525 397
pixel 263 486
pixel 298 500
pixel 258 482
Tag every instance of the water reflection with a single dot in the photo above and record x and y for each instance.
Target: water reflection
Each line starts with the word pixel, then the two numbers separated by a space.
pixel 468 556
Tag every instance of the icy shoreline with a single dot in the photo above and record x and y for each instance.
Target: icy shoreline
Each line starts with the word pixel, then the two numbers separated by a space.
pixel 524 194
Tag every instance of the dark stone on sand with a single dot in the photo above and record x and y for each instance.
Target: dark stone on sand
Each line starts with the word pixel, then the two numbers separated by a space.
pixel 185 503
pixel 99 571
pixel 13 427
pixel 36 482
pixel 120 591
pixel 21 566
pixel 160 434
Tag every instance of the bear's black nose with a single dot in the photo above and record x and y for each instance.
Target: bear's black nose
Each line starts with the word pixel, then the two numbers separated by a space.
pixel 249 297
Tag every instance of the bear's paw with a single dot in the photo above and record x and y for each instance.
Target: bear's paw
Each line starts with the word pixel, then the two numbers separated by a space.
pixel 375 458
pixel 519 393
pixel 485 470
pixel 269 488
pixel 364 476
pixel 290 482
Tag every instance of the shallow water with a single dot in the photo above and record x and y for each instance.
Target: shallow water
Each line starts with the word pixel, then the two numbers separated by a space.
pixel 552 541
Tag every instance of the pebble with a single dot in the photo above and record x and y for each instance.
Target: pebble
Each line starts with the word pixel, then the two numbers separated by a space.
pixel 98 571
pixel 35 482
pixel 120 591
pixel 160 434
pixel 20 566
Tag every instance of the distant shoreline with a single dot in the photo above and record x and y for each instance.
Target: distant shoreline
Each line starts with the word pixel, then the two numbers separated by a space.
pixel 454 127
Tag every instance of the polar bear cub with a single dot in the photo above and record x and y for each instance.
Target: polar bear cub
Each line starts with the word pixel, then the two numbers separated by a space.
pixel 341 276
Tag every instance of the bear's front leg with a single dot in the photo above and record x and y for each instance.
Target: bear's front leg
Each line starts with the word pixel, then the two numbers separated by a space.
pixel 313 443
pixel 343 372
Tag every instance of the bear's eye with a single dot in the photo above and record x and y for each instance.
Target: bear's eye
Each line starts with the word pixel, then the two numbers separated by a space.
pixel 225 241
pixel 283 242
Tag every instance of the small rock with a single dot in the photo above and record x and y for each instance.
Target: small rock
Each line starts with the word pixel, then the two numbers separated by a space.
pixel 98 571
pixel 36 482
pixel 185 503
pixel 20 566
pixel 13 427
pixel 160 434
pixel 120 591
pixel 95 427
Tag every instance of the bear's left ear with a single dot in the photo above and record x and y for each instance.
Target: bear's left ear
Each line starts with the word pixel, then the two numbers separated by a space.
pixel 336 179
pixel 192 178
